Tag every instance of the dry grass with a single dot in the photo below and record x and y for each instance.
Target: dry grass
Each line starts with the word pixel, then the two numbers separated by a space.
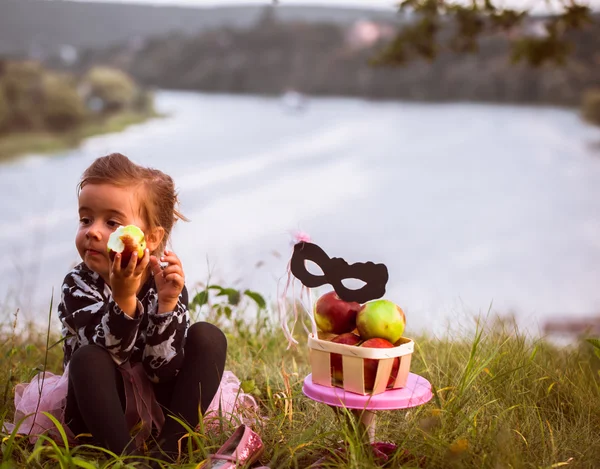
pixel 502 400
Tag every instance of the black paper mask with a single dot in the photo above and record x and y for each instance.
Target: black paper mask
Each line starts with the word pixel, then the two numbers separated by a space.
pixel 335 270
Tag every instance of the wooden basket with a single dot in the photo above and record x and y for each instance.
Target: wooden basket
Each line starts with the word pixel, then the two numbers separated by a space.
pixel 353 366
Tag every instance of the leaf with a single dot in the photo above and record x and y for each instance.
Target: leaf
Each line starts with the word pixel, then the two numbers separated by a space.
pixel 459 446
pixel 233 295
pixel 257 297
pixel 58 342
pixel 200 299
pixel 564 463
pixel 61 430
pixel 594 342
pixel 248 385
pixel 81 463
pixel 533 353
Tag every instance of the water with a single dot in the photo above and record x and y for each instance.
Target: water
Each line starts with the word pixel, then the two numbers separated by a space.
pixel 467 205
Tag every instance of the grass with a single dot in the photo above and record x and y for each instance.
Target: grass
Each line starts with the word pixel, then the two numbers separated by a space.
pixel 501 400
pixel 15 144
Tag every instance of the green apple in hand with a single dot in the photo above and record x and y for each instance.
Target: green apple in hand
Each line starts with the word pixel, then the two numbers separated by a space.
pixel 126 240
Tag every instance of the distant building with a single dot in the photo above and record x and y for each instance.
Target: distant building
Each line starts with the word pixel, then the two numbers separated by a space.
pixel 535 28
pixel 364 33
pixel 68 54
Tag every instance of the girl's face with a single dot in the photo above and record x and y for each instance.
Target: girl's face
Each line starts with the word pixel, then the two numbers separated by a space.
pixel 102 209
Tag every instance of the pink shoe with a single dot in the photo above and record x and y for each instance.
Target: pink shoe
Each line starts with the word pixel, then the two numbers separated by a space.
pixel 242 449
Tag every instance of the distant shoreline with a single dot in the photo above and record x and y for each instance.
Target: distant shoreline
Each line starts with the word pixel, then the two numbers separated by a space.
pixel 383 100
pixel 17 144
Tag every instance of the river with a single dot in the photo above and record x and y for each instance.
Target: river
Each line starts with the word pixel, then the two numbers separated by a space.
pixel 471 206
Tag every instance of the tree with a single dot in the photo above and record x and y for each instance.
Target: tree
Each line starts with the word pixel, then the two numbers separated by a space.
pixel 590 106
pixel 4 109
pixel 63 108
pixel 116 89
pixel 22 87
pixel 440 24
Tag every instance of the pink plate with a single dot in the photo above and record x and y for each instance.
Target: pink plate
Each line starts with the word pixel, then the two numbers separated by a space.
pixel 416 392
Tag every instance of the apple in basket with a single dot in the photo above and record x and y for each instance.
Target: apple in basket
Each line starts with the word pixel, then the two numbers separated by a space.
pixel 332 314
pixel 370 365
pixel 381 319
pixel 126 240
pixel 326 335
pixel 348 338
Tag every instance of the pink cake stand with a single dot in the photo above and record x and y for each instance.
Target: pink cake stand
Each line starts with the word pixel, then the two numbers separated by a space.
pixel 416 392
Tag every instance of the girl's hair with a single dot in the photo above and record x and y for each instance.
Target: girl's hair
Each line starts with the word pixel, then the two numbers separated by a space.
pixel 159 202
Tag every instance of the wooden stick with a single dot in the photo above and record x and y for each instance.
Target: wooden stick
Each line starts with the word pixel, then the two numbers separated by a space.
pixel 367 422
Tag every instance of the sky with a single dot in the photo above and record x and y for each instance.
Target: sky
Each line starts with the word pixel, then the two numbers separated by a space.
pixel 535 5
pixel 379 4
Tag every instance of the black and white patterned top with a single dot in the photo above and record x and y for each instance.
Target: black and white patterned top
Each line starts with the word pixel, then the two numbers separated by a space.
pixel 89 315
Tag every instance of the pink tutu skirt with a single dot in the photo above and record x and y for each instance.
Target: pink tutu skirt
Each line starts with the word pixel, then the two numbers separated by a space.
pixel 47 392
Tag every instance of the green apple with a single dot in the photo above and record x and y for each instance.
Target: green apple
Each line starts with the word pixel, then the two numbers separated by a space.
pixel 381 319
pixel 126 240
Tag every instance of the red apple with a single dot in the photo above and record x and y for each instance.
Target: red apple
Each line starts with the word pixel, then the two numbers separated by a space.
pixel 126 240
pixel 332 314
pixel 347 338
pixel 370 365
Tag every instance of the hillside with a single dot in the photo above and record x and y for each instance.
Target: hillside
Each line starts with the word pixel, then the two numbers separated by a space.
pixel 266 50
pixel 41 27
pixel 324 58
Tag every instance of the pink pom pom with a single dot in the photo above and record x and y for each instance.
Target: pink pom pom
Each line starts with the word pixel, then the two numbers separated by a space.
pixel 300 237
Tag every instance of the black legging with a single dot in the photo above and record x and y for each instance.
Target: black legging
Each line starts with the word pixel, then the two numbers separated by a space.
pixel 96 396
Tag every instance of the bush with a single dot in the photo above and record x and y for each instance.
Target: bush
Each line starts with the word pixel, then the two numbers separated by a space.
pixel 590 107
pixel 143 102
pixel 4 109
pixel 63 107
pixel 115 89
pixel 23 90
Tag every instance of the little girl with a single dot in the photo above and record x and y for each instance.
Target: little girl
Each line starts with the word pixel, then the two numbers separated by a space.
pixel 130 353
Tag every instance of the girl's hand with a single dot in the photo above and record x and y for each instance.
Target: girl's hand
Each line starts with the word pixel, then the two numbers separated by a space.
pixel 169 281
pixel 125 281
